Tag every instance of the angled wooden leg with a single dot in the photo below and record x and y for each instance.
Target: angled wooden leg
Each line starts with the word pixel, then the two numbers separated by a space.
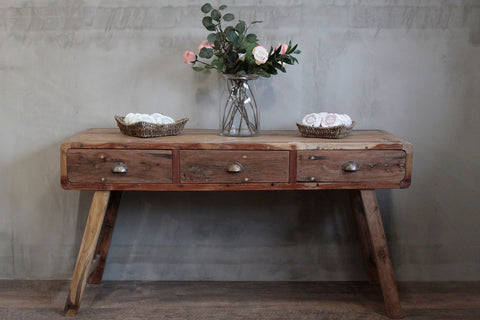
pixel 105 237
pixel 87 249
pixel 364 235
pixel 374 226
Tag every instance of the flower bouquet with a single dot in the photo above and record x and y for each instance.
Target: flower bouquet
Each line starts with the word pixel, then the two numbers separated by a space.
pixel 235 52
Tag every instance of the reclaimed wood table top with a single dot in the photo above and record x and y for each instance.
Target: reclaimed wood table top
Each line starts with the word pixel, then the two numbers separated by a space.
pixel 111 138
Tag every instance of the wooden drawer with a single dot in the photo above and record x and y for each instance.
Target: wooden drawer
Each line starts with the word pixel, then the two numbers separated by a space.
pixel 226 166
pixel 373 166
pixel 105 166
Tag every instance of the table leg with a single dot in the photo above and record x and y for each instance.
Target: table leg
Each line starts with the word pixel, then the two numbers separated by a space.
pixel 364 235
pixel 105 237
pixel 375 245
pixel 87 249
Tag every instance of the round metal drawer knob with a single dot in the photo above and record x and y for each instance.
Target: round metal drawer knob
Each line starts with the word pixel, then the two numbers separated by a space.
pixel 350 166
pixel 119 167
pixel 234 167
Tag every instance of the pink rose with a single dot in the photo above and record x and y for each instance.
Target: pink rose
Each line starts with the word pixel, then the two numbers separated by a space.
pixel 260 54
pixel 205 44
pixel 189 57
pixel 284 48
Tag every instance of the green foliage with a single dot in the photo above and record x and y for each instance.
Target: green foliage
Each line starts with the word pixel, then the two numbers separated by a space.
pixel 251 38
pixel 241 27
pixel 216 15
pixel 206 8
pixel 208 23
pixel 212 38
pixel 228 17
pixel 233 46
pixel 206 53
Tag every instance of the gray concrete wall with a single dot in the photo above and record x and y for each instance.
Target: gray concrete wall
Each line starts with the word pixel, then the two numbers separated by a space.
pixel 411 67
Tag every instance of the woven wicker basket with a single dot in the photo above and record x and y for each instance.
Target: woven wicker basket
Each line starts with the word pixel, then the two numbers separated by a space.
pixel 336 132
pixel 150 130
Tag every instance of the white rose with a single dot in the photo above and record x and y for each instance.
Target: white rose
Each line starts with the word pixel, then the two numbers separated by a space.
pixel 260 54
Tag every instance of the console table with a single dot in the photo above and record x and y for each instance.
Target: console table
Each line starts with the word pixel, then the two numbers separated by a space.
pixel 108 162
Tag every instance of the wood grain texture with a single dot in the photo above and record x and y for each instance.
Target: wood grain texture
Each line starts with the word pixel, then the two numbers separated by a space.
pixel 364 235
pixel 76 174
pixel 105 237
pixel 375 166
pixel 199 160
pixel 175 300
pixel 99 138
pixel 87 250
pixel 90 166
pixel 292 177
pixel 211 166
pixel 380 253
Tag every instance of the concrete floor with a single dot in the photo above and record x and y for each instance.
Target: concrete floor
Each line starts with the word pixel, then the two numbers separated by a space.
pixel 238 300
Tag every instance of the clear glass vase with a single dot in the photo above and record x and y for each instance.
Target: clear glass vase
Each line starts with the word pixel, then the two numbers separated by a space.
pixel 239 116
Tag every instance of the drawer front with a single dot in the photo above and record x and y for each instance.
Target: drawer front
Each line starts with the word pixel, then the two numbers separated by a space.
pixel 119 166
pixel 373 166
pixel 226 166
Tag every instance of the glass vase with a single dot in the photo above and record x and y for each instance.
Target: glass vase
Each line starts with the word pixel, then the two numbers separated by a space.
pixel 239 116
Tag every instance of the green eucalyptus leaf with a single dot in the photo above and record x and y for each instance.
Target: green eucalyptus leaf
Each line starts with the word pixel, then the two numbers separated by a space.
pixel 222 7
pixel 232 35
pixel 232 56
pixel 229 28
pixel 212 37
pixel 216 15
pixel 208 23
pixel 297 51
pixel 251 38
pixel 206 71
pixel 206 8
pixel 228 17
pixel 197 69
pixel 241 27
pixel 206 53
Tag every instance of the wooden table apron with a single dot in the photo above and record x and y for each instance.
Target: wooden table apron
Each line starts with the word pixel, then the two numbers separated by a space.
pixel 108 162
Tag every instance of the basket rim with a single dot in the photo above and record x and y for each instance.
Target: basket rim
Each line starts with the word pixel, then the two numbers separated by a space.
pixel 327 128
